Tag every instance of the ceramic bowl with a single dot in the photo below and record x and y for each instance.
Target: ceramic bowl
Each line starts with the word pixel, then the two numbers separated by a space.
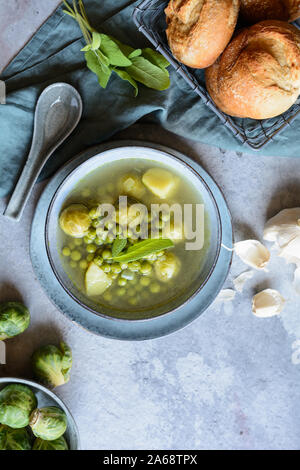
pixel 47 398
pixel 109 156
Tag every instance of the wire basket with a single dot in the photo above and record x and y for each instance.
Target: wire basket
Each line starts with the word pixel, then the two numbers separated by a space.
pixel 150 19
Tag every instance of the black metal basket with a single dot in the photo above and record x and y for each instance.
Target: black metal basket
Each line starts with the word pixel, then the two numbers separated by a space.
pixel 150 19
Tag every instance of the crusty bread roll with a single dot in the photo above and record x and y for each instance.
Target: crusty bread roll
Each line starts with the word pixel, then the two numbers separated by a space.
pixel 253 11
pixel 258 74
pixel 199 30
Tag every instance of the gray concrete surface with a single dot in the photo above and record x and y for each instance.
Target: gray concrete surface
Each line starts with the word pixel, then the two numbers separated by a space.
pixel 229 380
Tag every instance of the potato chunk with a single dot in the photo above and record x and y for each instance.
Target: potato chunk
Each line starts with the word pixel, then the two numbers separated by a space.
pixel 96 281
pixel 133 186
pixel 167 267
pixel 174 232
pixel 160 182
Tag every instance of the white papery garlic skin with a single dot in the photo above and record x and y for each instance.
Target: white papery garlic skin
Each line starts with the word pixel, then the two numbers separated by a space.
pixel 240 281
pixel 253 253
pixel 226 295
pixel 284 231
pixel 267 303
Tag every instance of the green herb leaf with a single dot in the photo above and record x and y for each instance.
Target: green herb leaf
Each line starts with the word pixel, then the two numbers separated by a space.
pixel 96 41
pixel 125 76
pixel 155 57
pixel 118 246
pixel 87 48
pixel 142 70
pixel 135 53
pixel 101 70
pixel 144 248
pixel 112 51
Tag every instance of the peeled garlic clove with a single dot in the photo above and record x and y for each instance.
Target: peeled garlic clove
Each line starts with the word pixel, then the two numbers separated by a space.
pixel 267 303
pixel 253 253
pixel 226 295
pixel 296 282
pixel 240 281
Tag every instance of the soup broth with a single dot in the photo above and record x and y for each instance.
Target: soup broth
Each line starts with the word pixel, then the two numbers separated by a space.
pixel 147 282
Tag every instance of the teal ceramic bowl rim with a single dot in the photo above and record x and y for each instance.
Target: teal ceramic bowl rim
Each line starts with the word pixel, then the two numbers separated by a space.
pixel 73 429
pixel 190 169
pixel 120 330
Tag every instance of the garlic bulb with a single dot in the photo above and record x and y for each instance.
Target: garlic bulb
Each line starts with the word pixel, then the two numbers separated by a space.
pixel 284 231
pixel 253 253
pixel 267 303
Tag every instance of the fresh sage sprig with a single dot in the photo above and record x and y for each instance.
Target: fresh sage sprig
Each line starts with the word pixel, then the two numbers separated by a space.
pixel 104 55
pixel 144 248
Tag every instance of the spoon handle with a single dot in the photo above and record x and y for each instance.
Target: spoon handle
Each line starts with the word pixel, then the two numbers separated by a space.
pixel 22 191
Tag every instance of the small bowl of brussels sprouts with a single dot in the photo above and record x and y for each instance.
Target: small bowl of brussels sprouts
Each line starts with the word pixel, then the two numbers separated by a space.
pixel 34 418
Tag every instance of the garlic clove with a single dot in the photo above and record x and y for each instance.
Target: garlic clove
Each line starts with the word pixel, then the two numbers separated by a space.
pixel 253 253
pixel 226 295
pixel 267 303
pixel 240 281
pixel 283 227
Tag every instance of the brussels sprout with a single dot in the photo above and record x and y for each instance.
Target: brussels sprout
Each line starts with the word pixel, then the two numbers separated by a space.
pixel 58 444
pixel 16 405
pixel 48 423
pixel 75 220
pixel 14 439
pixel 14 319
pixel 52 365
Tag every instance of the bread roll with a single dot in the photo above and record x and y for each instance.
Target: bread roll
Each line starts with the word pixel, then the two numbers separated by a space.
pixel 199 30
pixel 253 11
pixel 258 74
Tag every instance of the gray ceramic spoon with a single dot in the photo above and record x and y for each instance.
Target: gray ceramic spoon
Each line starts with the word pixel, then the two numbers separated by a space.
pixel 57 113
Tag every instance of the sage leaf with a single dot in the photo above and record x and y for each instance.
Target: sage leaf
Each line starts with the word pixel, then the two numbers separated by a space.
pixel 145 248
pixel 112 51
pixel 101 70
pixel 125 76
pixel 143 71
pixel 118 246
pixel 96 41
pixel 88 47
pixel 155 57
pixel 135 53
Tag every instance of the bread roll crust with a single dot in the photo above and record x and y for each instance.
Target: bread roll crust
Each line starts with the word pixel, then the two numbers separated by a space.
pixel 199 30
pixel 254 11
pixel 258 75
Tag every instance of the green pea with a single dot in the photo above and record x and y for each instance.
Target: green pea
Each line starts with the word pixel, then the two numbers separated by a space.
pixel 91 248
pixel 160 253
pixel 73 264
pixel 72 245
pixel 106 268
pixel 76 255
pixel 121 291
pixel 122 282
pixel 78 241
pixel 106 254
pixel 146 268
pixel 66 251
pixel 110 239
pixel 154 288
pixel 132 301
pixel 98 260
pixel 123 266
pixel 116 268
pixel 134 266
pixel 114 276
pixel 87 240
pixel 91 234
pixel 90 257
pixel 94 213
pixel 145 281
pixel 98 241
pixel 83 264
